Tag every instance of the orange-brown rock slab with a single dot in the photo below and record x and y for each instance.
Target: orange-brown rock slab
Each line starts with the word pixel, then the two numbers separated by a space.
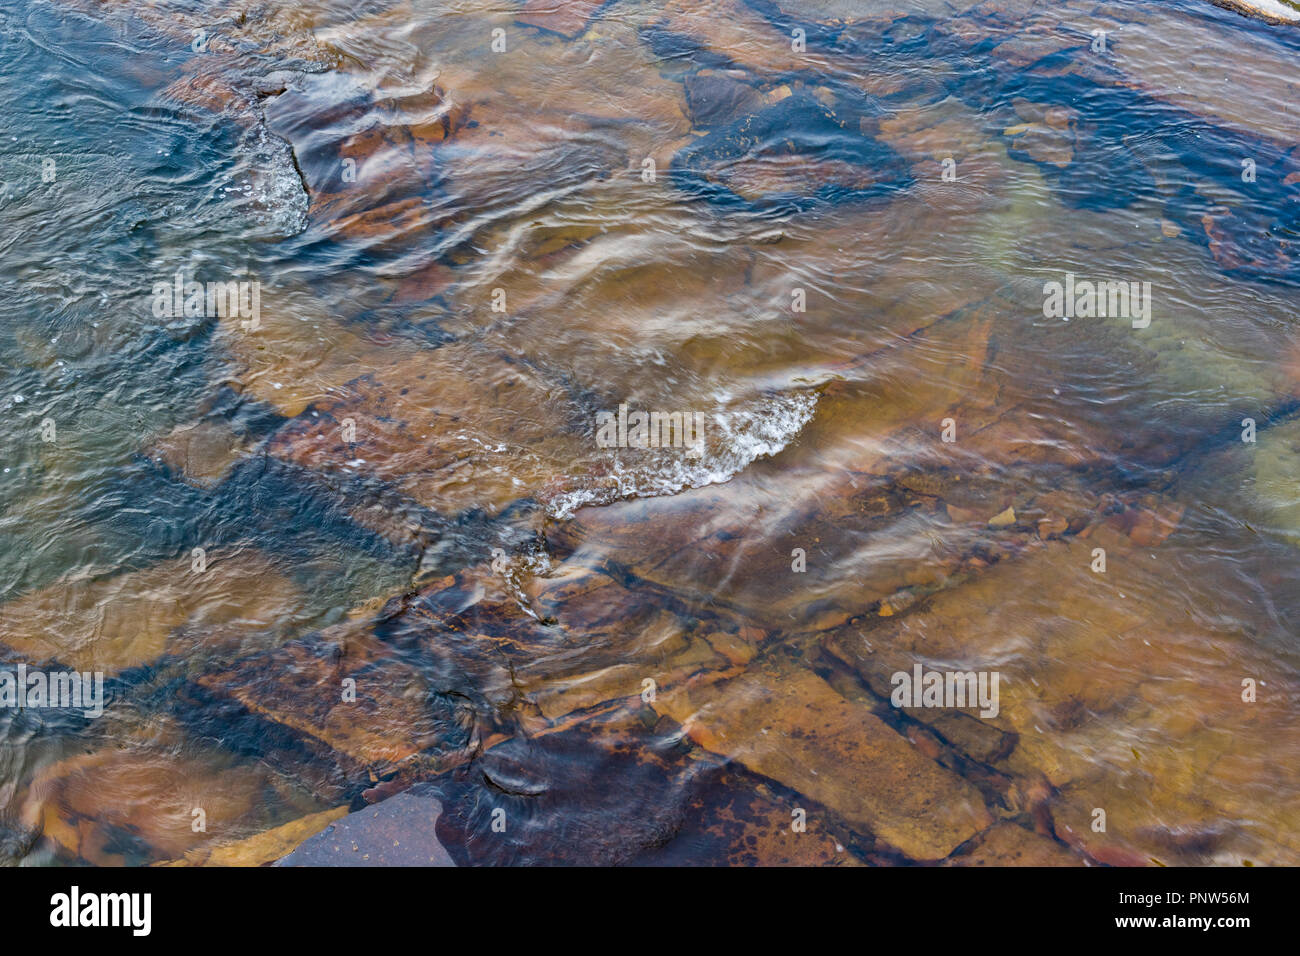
pixel 733 30
pixel 111 623
pixel 345 694
pixel 262 848
pixel 567 641
pixel 791 726
pixel 1115 698
pixel 201 453
pixel 1008 844
pixel 451 428
pixel 135 804
pixel 568 18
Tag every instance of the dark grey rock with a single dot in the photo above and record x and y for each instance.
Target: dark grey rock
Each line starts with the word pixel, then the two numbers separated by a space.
pixel 400 831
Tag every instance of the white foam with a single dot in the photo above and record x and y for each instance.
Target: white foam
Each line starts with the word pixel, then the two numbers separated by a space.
pixel 734 437
pixel 267 182
pixel 1271 8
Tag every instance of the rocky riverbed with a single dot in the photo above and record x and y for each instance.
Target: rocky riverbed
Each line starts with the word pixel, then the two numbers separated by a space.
pixel 361 548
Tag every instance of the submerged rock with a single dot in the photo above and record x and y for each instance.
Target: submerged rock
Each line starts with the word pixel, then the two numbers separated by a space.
pixel 262 848
pixel 202 453
pixel 1008 844
pixel 568 18
pixel 727 33
pixel 622 788
pixel 361 151
pixel 788 724
pixel 1275 468
pixel 735 822
pixel 1111 696
pixel 350 699
pixel 796 150
pixel 451 428
pixel 719 97
pixel 108 624
pixel 133 802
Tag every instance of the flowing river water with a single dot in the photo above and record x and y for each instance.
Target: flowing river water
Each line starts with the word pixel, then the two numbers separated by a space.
pixel 363 532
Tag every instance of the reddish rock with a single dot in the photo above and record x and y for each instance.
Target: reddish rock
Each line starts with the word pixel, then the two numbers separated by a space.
pixel 1008 844
pixel 568 18
pixel 791 726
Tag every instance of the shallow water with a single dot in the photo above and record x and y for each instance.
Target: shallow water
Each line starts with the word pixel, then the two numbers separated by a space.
pixel 835 254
